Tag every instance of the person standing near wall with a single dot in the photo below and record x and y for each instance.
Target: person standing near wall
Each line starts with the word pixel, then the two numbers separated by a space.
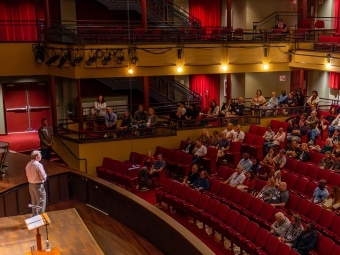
pixel 36 177
pixel 46 139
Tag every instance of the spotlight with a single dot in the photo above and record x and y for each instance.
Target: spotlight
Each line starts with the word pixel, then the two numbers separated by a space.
pixel 91 60
pixel 265 66
pixel 134 60
pixel 39 53
pixel 328 65
pixel 107 59
pixel 67 56
pixel 179 69
pixel 224 68
pixel 119 56
pixel 120 60
pixel 77 61
pixel 53 59
pixel 130 71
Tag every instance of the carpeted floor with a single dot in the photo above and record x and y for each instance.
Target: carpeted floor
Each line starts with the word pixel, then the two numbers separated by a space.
pixel 22 141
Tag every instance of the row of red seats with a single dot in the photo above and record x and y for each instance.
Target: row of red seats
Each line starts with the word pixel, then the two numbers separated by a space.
pixel 217 214
pixel 327 43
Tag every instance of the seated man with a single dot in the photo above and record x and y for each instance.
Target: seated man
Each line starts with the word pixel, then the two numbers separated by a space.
pixel 294 150
pixel 271 104
pixel 280 225
pixel 336 166
pixel 144 173
pixel 320 193
pixel 280 159
pixel 238 108
pixel 269 134
pixel 264 172
pixel 200 151
pixel 246 162
pixel 192 176
pixel 297 132
pixel 335 125
pixel 293 231
pixel 313 131
pixel 202 182
pixel 306 241
pixel 239 134
pixel 222 146
pixel 236 178
pixel 304 153
pixel 229 131
pixel 277 139
pixel 281 196
pixel 327 162
pixel 110 121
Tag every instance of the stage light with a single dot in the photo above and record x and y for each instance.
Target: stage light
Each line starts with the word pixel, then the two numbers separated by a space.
pixel 91 60
pixel 328 64
pixel 106 60
pixel 179 69
pixel 120 60
pixel 119 56
pixel 130 71
pixel 224 68
pixel 39 53
pixel 64 58
pixel 77 61
pixel 265 67
pixel 53 59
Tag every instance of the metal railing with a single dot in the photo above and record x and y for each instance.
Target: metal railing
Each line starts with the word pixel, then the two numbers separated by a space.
pixel 22 31
pixel 291 19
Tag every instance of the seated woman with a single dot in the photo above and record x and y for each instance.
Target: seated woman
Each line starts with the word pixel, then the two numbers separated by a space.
pixel 335 137
pixel 281 25
pixel 204 137
pixel 257 101
pixel 269 158
pixel 214 110
pixel 202 182
pixel 314 99
pixel 248 184
pixel 226 109
pixel 332 115
pixel 179 114
pixel 256 165
pixel 336 149
pixel 215 139
pixel 267 190
pixel 264 172
pixel 328 146
pixel 276 173
pixel 332 202
pixel 125 125
pixel 189 146
pixel 147 162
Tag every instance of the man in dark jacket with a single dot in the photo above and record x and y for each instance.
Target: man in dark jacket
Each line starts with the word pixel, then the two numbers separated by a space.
pixel 306 241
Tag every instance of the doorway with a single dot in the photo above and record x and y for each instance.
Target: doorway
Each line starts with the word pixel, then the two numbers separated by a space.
pixel 25 105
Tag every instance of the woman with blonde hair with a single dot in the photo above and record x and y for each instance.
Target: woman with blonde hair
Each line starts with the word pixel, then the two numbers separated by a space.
pixel 268 190
pixel 332 202
pixel 204 137
pixel 215 139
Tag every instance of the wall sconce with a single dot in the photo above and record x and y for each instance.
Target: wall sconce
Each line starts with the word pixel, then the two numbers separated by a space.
pixel 224 68
pixel 328 64
pixel 179 69
pixel 265 66
pixel 130 71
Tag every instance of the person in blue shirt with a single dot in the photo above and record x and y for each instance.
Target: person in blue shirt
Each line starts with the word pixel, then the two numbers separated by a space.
pixel 282 97
pixel 246 163
pixel 306 241
pixel 202 182
pixel 320 193
pixel 157 167
pixel 271 104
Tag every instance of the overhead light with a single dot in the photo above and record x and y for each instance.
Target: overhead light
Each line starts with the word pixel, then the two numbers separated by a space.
pixel 130 71
pixel 91 60
pixel 39 53
pixel 328 64
pixel 265 67
pixel 224 68
pixel 53 59
pixel 77 61
pixel 179 69
pixel 64 58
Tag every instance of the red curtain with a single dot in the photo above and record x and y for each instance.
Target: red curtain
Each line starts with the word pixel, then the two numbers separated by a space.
pixel 207 85
pixel 207 11
pixel 334 80
pixel 336 14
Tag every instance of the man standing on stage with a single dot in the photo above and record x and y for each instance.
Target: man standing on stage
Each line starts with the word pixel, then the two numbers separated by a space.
pixel 46 139
pixel 36 176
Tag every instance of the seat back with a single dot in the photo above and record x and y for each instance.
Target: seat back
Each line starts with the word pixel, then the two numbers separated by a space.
pixel 261 237
pixel 324 174
pixel 334 179
pixel 185 193
pixel 213 207
pixel 267 212
pixel 291 180
pixel 291 164
pixel 301 168
pixel 176 189
pixel 168 154
pixel 232 217
pixel 324 246
pixel 141 158
pixel 225 191
pixel 241 224
pixel 306 23
pixel 275 124
pixel 326 219
pixel 293 202
pixel 249 138
pixel 259 184
pixel 246 200
pixel 203 202
pixel 303 206
pixel 116 165
pixel 313 172
pixel 261 131
pixel 335 226
pixel 283 249
pixel 182 145
pixel 159 150
pixel 314 213
pixel 177 157
pixel 258 140
pixel 283 125
pixel 168 184
pixel 212 153
pixel 251 231
pixel 336 250
pixel 256 206
pixel 273 245
pixel 194 197
pixel 230 172
pixel 222 172
pixel 253 129
pixel 319 24
pixel 215 186
pixel 134 157
pixel 301 185
pixel 311 186
pixel 316 157
pixel 236 195
pixel 107 162
pixel 223 211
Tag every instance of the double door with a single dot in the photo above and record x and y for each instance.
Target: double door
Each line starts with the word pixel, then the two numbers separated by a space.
pixel 25 105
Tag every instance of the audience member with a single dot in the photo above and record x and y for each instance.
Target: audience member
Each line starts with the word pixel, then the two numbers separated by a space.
pixel 223 146
pixel 192 176
pixel 328 146
pixel 332 115
pixel 214 110
pixel 99 107
pixel 125 124
pixel 271 104
pixel 280 160
pixel 256 165
pixel 300 98
pixel 245 162
pixel 297 132
pixel 189 146
pixel 289 102
pixel 276 173
pixel 238 134
pixel 226 109
pixel 139 118
pixel 257 101
pixel 320 193
pixel 202 182
pixel 238 108
pixel 264 172
pixel 269 134
pixel 282 98
pixel 332 202
pixel 335 137
pixel 152 119
pixel 280 225
pixel 249 182
pixel 304 153
pixel 313 130
pixel 179 114
pixel 336 149
pixel 281 25
pixel 268 190
pixel 200 152
pixel 236 178
pixel 336 166
pixel 306 241
pixel 312 109
pixel 157 167
pixel 269 158
pixel 323 123
pixel 277 139
pixel 280 197
pixel 314 99
pixel 293 231
pixel 290 127
pixel 110 121
pixel 229 131
pixel 204 137
pixel 215 139
pixel 294 150
pixel 327 162
pixel 146 164
pixel 191 113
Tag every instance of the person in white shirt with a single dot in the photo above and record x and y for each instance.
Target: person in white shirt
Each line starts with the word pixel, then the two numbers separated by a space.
pixel 239 134
pixel 36 177
pixel 200 152
pixel 229 131
pixel 236 178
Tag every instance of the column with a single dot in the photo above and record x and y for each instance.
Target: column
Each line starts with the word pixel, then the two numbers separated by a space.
pixel 144 14
pixel 80 107
pixel 53 104
pixel 228 87
pixel 146 93
pixel 47 19
pixel 229 14
pixel 302 79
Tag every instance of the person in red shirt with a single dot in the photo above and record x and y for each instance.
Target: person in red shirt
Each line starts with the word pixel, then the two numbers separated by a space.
pixel 249 183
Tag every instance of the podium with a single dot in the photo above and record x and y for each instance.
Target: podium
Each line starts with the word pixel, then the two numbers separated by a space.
pixel 54 251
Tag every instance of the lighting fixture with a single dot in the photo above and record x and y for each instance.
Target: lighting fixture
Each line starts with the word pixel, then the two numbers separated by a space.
pixel 119 55
pixel 179 69
pixel 130 71
pixel 133 56
pixel 224 68
pixel 52 59
pixel 91 60
pixel 265 67
pixel 328 65
pixel 77 61
pixel 39 53
pixel 134 60
pixel 107 59
pixel 64 58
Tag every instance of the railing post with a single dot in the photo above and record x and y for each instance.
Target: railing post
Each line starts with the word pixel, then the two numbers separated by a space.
pixel 144 14
pixel 146 93
pixel 80 107
pixel 53 104
pixel 47 20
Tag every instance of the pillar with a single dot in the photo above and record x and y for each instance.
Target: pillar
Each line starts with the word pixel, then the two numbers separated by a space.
pixel 302 79
pixel 228 13
pixel 53 104
pixel 146 93
pixel 47 19
pixel 80 107
pixel 144 14
pixel 228 89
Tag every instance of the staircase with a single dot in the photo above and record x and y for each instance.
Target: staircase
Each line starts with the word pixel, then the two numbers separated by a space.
pixel 157 10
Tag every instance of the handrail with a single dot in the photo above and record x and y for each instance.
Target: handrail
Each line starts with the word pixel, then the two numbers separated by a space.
pixel 276 16
pixel 56 136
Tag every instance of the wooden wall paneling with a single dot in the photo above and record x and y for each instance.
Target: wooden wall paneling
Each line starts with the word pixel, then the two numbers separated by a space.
pixel 63 187
pixel 78 188
pixel 11 208
pixel 53 190
pixel 98 195
pixel 24 199
pixel 2 207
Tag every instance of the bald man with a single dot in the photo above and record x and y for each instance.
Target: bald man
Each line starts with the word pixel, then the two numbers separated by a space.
pixel 280 197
